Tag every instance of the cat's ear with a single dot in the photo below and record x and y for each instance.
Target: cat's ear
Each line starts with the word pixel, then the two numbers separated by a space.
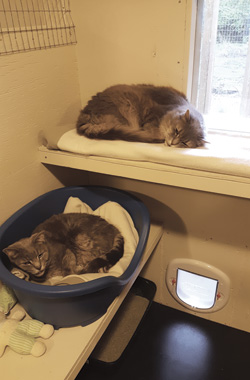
pixel 12 251
pixel 187 115
pixel 39 237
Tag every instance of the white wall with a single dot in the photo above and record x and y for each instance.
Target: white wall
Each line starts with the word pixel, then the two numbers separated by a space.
pixel 142 41
pixel 203 226
pixel 38 90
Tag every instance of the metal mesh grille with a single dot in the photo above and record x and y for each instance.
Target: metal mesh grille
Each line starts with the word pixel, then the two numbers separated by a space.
pixel 27 25
pixel 230 82
pixel 233 21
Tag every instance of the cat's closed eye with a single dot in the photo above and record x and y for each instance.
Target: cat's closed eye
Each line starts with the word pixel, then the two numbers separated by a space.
pixel 176 132
pixel 26 263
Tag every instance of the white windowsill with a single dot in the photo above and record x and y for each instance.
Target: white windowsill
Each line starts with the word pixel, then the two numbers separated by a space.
pixel 222 167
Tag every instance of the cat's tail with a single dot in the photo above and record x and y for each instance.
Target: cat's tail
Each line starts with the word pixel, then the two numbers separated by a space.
pixel 103 263
pixel 117 250
pixel 109 128
pixel 141 135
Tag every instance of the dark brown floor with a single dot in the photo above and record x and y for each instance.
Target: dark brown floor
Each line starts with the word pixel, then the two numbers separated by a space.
pixel 172 345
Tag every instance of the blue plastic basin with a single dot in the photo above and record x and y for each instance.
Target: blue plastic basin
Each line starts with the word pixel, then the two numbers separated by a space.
pixel 70 305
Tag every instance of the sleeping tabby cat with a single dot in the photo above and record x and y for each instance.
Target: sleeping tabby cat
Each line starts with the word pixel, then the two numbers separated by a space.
pixel 143 113
pixel 66 244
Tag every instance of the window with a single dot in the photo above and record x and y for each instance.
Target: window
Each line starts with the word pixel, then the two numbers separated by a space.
pixel 221 81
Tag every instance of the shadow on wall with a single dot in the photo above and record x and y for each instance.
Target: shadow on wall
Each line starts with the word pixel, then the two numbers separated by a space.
pixel 174 242
pixel 50 134
pixel 68 176
pixel 161 213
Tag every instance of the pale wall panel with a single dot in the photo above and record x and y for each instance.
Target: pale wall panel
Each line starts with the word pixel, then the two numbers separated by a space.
pixel 131 41
pixel 38 90
pixel 203 226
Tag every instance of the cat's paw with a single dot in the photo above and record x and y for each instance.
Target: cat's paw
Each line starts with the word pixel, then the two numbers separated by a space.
pixel 103 270
pixel 20 274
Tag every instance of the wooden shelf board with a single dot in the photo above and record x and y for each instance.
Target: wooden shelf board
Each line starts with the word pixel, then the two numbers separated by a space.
pixel 150 172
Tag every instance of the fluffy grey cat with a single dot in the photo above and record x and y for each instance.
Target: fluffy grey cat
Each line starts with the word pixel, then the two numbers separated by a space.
pixel 66 244
pixel 143 113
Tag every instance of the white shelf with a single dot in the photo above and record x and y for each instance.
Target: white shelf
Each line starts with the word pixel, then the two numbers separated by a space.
pixel 69 348
pixel 151 172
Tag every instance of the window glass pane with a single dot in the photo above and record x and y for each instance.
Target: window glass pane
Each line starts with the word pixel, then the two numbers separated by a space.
pixel 223 77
